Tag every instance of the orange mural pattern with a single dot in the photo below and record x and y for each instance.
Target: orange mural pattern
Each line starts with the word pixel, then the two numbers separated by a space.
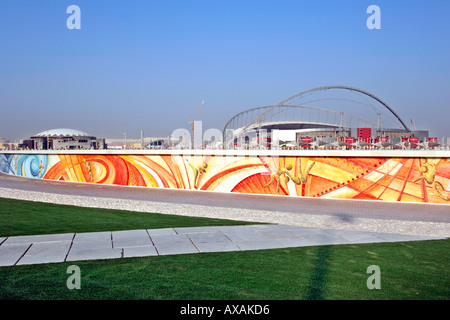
pixel 388 179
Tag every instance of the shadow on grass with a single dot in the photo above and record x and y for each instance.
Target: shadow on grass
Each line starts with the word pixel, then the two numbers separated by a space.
pixel 318 281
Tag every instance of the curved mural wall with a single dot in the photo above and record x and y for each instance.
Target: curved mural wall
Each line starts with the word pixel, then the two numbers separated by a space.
pixel 388 179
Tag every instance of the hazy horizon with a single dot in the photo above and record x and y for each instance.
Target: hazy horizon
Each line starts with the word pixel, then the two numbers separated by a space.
pixel 148 65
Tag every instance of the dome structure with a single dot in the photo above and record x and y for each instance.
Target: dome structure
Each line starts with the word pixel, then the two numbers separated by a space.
pixel 64 139
pixel 62 132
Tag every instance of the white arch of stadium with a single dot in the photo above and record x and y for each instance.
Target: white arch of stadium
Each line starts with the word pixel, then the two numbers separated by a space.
pixel 265 116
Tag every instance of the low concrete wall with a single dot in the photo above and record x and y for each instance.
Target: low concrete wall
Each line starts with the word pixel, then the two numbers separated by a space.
pixel 389 175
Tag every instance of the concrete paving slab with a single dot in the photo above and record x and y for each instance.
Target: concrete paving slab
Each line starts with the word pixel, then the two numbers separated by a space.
pixel 12 241
pixel 46 252
pixel 191 230
pixel 86 245
pixel 132 238
pixel 1 240
pixel 291 227
pixel 260 227
pixel 162 231
pixel 259 245
pixel 94 254
pixel 176 247
pixel 170 238
pixel 341 232
pixel 129 233
pixel 17 243
pixel 43 248
pixel 279 234
pixel 303 231
pixel 92 236
pixel 9 255
pixel 126 234
pixel 227 229
pixel 221 246
pixel 207 237
pixel 130 243
pixel 236 236
pixel 143 251
pixel 38 238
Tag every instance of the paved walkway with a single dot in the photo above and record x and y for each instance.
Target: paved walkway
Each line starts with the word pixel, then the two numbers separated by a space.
pixel 22 250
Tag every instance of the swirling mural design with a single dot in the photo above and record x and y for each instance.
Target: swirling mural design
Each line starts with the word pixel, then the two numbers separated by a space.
pixel 4 163
pixel 386 179
pixel 30 165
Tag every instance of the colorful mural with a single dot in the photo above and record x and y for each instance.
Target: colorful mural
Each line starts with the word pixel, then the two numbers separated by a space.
pixel 388 179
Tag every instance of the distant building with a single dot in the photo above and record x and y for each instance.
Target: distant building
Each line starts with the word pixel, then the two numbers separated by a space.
pixel 4 143
pixel 143 143
pixel 63 139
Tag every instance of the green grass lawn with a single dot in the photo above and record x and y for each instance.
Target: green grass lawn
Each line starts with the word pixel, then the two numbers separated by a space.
pixel 409 270
pixel 18 218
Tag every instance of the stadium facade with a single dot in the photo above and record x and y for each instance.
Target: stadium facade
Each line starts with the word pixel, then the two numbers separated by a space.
pixel 330 117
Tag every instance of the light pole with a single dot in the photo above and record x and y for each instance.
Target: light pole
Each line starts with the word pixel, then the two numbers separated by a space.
pixel 125 140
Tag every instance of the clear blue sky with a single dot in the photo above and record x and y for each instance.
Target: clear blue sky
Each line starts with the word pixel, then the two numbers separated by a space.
pixel 149 64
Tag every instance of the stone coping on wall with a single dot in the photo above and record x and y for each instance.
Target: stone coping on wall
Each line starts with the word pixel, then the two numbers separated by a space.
pixel 212 152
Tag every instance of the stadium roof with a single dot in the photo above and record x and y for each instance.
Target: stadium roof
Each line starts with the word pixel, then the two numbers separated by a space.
pixel 328 106
pixel 62 133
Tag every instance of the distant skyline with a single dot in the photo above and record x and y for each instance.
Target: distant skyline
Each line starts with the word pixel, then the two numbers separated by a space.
pixel 149 64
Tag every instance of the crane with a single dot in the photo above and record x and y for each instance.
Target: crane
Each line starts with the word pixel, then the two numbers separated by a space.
pixel 192 121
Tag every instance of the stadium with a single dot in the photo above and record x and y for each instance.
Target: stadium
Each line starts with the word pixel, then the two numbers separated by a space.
pixel 329 117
